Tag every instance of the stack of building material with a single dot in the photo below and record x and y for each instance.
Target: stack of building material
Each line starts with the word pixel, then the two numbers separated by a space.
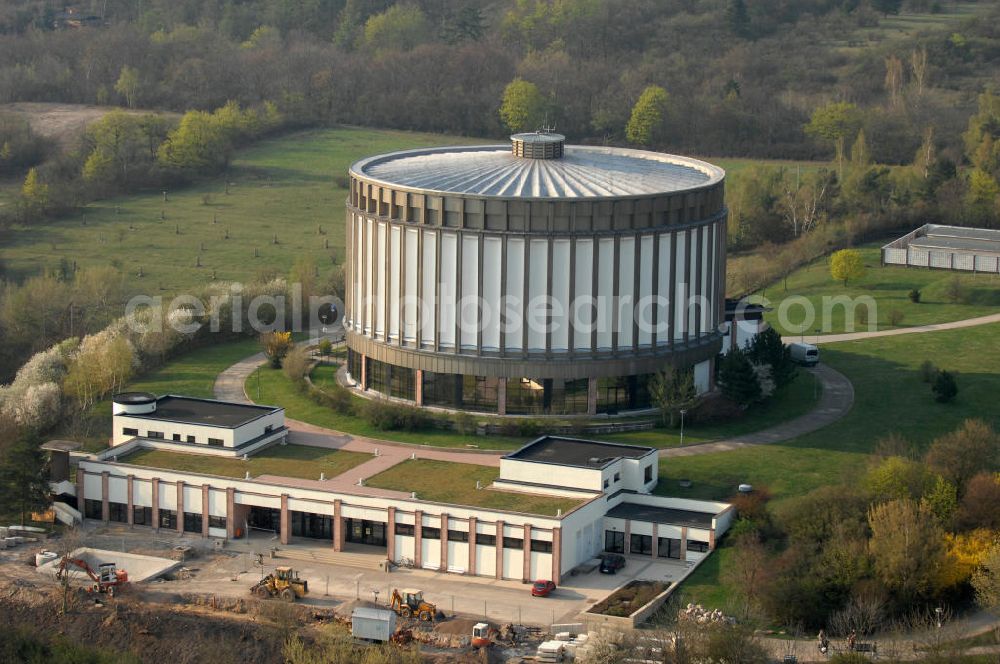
pixel 550 651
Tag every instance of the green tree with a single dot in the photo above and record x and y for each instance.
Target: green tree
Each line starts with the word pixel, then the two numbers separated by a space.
pixel 523 106
pixel 983 197
pixel 835 122
pixel 673 390
pixel 34 194
pixel 846 264
pixel 399 28
pixel 767 348
pixel 119 144
pixel 128 85
pixel 960 454
pixel 887 6
pixel 986 580
pixel 944 387
pixel 942 500
pixel 648 114
pixel 23 481
pixel 738 379
pixel 738 18
pixel 199 144
pixel 982 138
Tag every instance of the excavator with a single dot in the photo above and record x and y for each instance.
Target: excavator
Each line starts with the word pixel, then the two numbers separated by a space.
pixel 410 603
pixel 107 579
pixel 284 583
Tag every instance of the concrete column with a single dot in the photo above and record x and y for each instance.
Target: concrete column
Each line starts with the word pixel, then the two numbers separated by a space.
pixel 338 526
pixel 711 539
pixel 204 510
pixel 156 503
pixel 418 387
pixel 472 545
pixel 80 483
pixel 684 542
pixel 656 541
pixel 129 483
pixel 526 572
pixel 418 539
pixel 230 513
pixel 286 520
pixel 501 396
pixel 364 373
pixel 180 507
pixel 592 389
pixel 105 508
pixel 556 555
pixel 444 542
pixel 390 534
pixel 499 547
pixel 628 536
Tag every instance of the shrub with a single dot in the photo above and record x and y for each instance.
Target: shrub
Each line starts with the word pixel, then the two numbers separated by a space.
pixel 954 290
pixel 386 416
pixel 465 423
pixel 928 370
pixel 895 317
pixel 324 347
pixel 944 388
pixel 296 364
pixel 914 296
pixel 334 397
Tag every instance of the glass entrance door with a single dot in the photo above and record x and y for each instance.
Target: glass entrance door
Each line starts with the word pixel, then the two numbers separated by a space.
pixel 361 531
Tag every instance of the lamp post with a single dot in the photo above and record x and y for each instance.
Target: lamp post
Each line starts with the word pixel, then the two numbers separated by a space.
pixel 939 611
pixel 683 413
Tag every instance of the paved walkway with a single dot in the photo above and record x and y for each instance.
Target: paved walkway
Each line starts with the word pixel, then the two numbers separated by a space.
pixel 937 327
pixel 835 403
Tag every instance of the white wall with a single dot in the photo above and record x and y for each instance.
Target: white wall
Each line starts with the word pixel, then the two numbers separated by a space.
pixel 192 499
pixel 513 563
pixel 702 376
pixel 545 473
pixel 117 490
pixel 430 553
pixel 458 556
pixel 486 560
pixel 231 437
pixel 541 566
pixel 404 547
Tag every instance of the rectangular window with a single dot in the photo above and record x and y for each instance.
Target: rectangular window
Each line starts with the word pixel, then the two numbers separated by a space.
pixel 486 540
pixel 404 529
pixel 192 522
pixel 168 519
pixel 155 435
pixel 697 546
pixel 458 536
pixel 129 431
pixel 215 442
pixel 540 546
pixel 142 516
pixel 430 533
pixel 668 547
pixel 177 437
pixel 118 512
pixel 605 483
pixel 647 474
pixel 618 477
pixel 217 522
pixel 614 541
pixel 641 545
pixel 190 439
pixel 268 428
pixel 92 509
pixel 513 543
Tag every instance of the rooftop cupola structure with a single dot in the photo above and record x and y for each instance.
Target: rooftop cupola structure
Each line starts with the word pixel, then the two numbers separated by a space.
pixel 538 145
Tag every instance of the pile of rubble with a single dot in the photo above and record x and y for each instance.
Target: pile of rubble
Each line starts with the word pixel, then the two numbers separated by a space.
pixel 698 614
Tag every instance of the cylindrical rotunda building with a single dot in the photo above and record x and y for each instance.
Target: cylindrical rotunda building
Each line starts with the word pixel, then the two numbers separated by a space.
pixel 536 278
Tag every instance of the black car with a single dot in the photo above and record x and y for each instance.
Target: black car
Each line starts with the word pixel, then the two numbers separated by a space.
pixel 611 563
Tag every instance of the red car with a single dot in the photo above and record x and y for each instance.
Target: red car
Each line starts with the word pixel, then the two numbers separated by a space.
pixel 542 588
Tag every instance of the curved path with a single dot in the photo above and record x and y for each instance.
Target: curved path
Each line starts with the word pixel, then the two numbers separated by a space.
pixel 936 327
pixel 835 403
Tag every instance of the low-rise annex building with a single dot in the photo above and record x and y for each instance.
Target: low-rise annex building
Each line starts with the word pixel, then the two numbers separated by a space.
pixel 616 511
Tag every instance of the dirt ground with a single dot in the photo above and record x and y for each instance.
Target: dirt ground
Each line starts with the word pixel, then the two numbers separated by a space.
pixel 61 122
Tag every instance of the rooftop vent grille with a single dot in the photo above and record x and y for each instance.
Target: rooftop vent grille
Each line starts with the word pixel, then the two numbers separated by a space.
pixel 537 145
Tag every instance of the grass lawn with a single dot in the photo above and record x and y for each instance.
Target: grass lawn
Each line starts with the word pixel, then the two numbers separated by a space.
pixel 889 397
pixel 299 461
pixel 889 286
pixel 276 388
pixel 455 483
pixel 286 186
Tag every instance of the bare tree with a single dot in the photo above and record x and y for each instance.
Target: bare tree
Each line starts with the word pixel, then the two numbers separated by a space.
pixel 918 64
pixel 894 80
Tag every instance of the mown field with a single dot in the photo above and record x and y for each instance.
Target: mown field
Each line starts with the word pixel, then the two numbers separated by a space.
pixel 888 286
pixel 290 187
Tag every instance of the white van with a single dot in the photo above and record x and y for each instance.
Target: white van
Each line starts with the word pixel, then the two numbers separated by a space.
pixel 805 354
